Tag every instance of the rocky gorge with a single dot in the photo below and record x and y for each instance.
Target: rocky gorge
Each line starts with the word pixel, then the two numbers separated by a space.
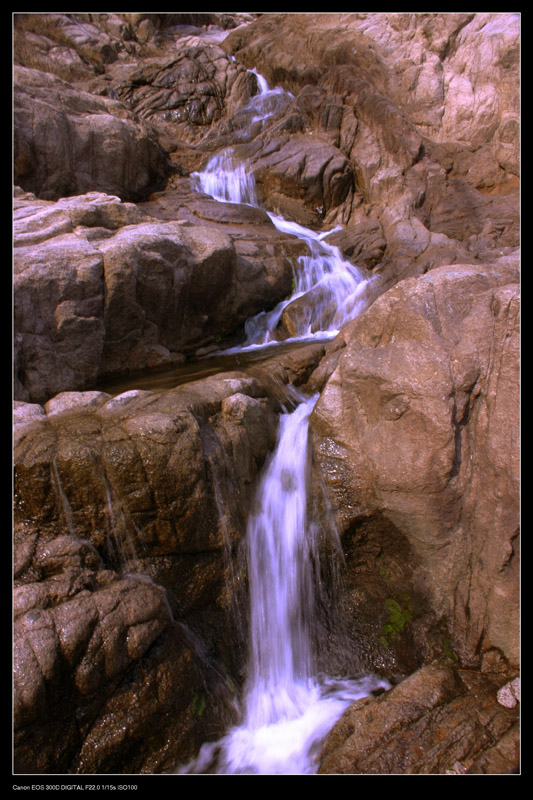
pixel 143 424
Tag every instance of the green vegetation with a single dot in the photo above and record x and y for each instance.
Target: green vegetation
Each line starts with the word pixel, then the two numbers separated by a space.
pixel 446 644
pixel 400 614
pixel 198 704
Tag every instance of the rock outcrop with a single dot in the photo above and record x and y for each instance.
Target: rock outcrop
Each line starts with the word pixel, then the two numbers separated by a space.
pixel 440 720
pixel 416 376
pixel 397 136
pixel 101 288
pixel 425 108
pixel 129 513
pixel 69 142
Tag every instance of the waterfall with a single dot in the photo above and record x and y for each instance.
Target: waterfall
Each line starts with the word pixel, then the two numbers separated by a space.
pixel 280 578
pixel 328 290
pixel 64 504
pixel 120 544
pixel 287 709
pixel 227 181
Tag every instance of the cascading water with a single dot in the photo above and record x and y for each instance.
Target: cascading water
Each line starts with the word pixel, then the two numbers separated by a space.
pixel 287 710
pixel 227 181
pixel 330 290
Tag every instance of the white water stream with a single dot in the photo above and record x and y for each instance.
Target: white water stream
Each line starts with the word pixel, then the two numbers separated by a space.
pixel 287 709
pixel 328 290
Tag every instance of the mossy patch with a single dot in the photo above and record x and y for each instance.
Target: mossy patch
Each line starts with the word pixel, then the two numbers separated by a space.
pixel 198 704
pixel 446 644
pixel 400 615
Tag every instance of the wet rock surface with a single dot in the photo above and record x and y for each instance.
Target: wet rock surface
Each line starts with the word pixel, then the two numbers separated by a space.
pixel 129 515
pixel 439 720
pixel 420 366
pixel 131 505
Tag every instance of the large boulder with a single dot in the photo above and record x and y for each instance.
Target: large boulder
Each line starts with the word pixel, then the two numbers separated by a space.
pixel 440 720
pixel 147 461
pixel 128 585
pixel 102 288
pixel 419 424
pixel 78 634
pixel 68 142
pixel 301 176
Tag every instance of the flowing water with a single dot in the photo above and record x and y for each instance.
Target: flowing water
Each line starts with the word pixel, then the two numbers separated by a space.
pixel 287 708
pixel 328 290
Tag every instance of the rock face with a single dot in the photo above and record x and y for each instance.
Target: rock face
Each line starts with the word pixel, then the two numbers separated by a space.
pixel 425 108
pixel 69 142
pixel 396 135
pixel 416 376
pixel 406 731
pixel 192 91
pixel 129 513
pixel 101 288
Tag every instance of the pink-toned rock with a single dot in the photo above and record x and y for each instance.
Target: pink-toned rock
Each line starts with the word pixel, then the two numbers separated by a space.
pixel 68 142
pixel 437 721
pixel 411 426
pixel 102 288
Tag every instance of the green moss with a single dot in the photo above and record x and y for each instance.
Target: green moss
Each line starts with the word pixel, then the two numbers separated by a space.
pixel 400 615
pixel 198 704
pixel 448 649
pixel 446 644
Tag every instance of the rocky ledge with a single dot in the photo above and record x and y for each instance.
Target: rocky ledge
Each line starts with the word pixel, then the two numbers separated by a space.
pixel 397 137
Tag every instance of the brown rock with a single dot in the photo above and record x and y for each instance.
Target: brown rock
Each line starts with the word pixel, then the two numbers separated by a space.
pixel 362 244
pixel 396 94
pixel 450 74
pixel 101 288
pixel 404 128
pixel 129 511
pixel 193 90
pixel 78 144
pixel 133 451
pixel 102 662
pixel 76 648
pixel 314 172
pixel 157 483
pixel 417 379
pixel 437 721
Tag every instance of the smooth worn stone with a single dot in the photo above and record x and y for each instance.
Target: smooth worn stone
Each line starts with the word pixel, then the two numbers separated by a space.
pixel 418 377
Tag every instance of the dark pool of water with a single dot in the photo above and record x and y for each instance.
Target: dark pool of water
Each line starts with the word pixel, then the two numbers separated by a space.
pixel 195 369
